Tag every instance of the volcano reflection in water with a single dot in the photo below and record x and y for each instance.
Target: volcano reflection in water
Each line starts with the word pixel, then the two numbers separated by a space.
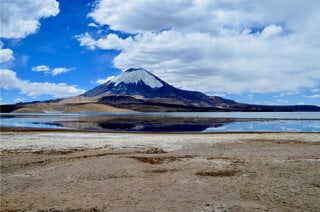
pixel 166 122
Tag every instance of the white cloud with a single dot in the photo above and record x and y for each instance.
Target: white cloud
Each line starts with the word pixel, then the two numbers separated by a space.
pixel 86 40
pixel 282 102
pixel 19 99
pixel 271 31
pixel 111 41
pixel 314 96
pixel 316 90
pixel 218 94
pixel 57 71
pixel 101 81
pixel 93 25
pixel 9 80
pixel 5 54
pixel 41 68
pixel 289 93
pixel 140 16
pixel 53 72
pixel 232 63
pixel 216 46
pixel 107 13
pixel 20 18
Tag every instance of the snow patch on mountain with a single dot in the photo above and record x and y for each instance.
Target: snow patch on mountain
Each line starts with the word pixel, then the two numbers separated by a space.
pixel 136 75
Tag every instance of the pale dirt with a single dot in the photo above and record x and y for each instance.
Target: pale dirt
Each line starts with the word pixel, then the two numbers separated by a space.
pixel 68 107
pixel 160 172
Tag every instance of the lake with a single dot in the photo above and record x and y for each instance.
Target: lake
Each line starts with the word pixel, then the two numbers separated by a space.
pixel 200 122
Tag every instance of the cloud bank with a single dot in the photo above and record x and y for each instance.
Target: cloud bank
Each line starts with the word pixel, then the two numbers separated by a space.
pixel 20 18
pixel 215 46
pixel 9 80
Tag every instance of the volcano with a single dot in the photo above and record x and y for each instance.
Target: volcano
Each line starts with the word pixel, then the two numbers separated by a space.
pixel 139 85
pixel 137 89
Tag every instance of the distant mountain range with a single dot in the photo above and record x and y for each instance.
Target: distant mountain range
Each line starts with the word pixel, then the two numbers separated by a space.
pixel 139 90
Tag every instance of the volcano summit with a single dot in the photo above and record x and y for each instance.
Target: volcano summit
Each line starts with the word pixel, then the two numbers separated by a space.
pixel 131 82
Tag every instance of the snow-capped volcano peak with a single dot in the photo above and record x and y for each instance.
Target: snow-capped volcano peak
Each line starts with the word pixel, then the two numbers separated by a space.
pixel 134 75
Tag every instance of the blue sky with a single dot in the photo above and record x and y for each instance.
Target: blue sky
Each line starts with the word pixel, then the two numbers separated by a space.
pixel 263 52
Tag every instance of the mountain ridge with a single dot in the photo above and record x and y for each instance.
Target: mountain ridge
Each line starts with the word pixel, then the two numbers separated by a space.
pixel 137 89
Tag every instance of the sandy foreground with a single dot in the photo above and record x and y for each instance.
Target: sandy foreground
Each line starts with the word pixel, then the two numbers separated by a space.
pixel 77 171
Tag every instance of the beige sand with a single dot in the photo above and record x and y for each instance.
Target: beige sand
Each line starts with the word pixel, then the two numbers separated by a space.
pixel 73 171
pixel 63 106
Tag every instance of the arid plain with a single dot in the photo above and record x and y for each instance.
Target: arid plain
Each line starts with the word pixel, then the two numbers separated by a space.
pixel 77 171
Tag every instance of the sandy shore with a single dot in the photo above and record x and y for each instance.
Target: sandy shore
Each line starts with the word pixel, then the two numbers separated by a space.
pixel 75 171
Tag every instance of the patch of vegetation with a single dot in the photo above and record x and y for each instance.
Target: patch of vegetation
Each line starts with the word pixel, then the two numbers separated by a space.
pixel 159 160
pixel 72 210
pixel 159 171
pixel 219 173
pixel 219 158
pixel 57 152
pixel 155 160
pixel 153 151
pixel 316 184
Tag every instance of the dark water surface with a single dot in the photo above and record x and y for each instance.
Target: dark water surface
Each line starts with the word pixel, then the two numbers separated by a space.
pixel 201 122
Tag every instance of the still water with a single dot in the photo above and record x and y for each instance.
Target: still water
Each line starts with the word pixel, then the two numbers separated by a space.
pixel 201 122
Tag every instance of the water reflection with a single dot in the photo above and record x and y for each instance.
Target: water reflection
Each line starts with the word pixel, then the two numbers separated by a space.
pixel 269 126
pixel 145 124
pixel 169 122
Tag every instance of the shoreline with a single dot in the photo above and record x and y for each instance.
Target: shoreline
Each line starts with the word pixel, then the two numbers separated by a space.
pixel 34 129
pixel 27 140
pixel 97 171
